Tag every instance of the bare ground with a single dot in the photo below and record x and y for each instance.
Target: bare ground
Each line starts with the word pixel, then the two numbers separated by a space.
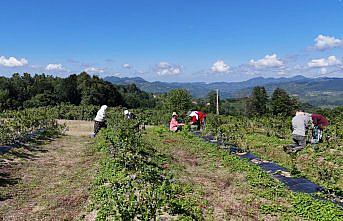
pixel 228 194
pixel 227 201
pixel 49 181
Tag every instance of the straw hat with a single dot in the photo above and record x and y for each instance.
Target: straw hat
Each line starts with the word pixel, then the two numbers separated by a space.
pixel 174 114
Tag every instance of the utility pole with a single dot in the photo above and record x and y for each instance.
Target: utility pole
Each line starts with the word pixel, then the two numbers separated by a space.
pixel 217 101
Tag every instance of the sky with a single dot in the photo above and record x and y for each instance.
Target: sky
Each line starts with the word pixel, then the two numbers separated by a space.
pixel 175 40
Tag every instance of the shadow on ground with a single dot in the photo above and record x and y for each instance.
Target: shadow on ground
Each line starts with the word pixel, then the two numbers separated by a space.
pixel 10 158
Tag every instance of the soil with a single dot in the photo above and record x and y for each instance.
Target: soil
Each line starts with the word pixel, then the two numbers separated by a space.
pixel 227 193
pixel 49 180
pixel 227 201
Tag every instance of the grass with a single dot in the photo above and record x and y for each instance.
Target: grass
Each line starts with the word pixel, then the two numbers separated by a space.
pixel 133 181
pixel 52 180
pixel 234 189
pixel 323 165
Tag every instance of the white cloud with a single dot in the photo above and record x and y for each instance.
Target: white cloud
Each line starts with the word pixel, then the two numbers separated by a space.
pixel 36 66
pixel 94 70
pixel 220 67
pixel 324 62
pixel 323 71
pixel 282 73
pixel 12 62
pixel 128 66
pixel 164 68
pixel 269 61
pixel 116 74
pixel 326 42
pixel 55 67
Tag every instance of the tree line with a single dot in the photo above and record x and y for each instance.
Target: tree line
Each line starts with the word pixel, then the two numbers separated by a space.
pixel 280 102
pixel 23 91
pixel 258 104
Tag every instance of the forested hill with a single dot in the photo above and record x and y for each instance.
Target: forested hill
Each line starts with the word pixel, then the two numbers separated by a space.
pixel 317 91
pixel 197 89
pixel 24 91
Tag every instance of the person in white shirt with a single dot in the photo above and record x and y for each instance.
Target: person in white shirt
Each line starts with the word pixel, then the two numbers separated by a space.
pixel 100 119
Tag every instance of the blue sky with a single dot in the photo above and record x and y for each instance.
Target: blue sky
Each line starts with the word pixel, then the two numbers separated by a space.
pixel 174 40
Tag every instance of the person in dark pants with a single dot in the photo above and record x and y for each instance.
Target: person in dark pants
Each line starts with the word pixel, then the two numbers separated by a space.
pixel 298 135
pixel 100 119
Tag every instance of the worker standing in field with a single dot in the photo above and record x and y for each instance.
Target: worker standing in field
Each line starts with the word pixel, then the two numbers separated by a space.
pixel 319 124
pixel 100 119
pixel 174 125
pixel 299 122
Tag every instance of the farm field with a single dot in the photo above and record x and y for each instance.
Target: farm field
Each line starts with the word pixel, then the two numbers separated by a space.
pixel 171 110
pixel 224 187
pixel 205 177
pixel 128 173
pixel 233 189
pixel 49 179
pixel 266 137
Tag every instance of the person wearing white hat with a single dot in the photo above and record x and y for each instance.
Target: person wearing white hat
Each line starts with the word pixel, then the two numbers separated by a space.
pixel 197 118
pixel 100 119
pixel 128 114
pixel 174 125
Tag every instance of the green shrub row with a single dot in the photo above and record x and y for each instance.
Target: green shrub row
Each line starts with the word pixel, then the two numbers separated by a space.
pixel 132 183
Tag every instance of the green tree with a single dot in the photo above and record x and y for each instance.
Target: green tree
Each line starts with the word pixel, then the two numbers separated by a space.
pixel 282 103
pixel 135 97
pixel 257 103
pixel 67 90
pixel 41 100
pixel 178 100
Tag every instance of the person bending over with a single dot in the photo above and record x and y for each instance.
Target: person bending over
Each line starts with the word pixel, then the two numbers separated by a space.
pixel 319 124
pixel 197 118
pixel 100 119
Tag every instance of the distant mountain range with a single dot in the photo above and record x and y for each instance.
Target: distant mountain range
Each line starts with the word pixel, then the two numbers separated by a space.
pixel 316 91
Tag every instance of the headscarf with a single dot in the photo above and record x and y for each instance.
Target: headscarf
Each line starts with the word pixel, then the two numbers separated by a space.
pixel 100 116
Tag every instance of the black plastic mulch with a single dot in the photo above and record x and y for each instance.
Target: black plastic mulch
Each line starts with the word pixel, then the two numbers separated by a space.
pixel 296 184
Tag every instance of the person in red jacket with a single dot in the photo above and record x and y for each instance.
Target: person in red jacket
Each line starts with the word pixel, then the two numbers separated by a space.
pixel 319 124
pixel 197 118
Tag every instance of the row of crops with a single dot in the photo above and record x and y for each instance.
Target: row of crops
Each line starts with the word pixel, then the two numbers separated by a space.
pixel 132 183
pixel 266 137
pixel 268 196
pixel 20 126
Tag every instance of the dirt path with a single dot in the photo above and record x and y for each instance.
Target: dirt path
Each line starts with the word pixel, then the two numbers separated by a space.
pixel 226 190
pixel 49 181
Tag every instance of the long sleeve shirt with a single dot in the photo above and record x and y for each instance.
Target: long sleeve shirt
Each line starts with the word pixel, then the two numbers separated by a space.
pixel 101 115
pixel 319 120
pixel 299 125
pixel 173 124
